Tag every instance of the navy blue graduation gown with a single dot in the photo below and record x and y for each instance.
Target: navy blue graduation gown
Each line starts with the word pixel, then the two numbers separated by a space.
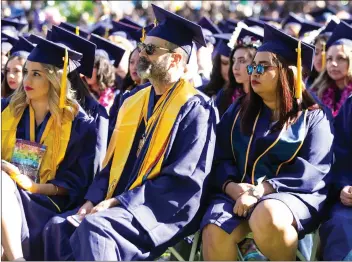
pixel 119 99
pixel 336 231
pixel 300 184
pixel 161 211
pixel 94 109
pixel 75 173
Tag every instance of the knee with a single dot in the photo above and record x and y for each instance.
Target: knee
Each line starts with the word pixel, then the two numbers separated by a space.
pixel 270 216
pixel 7 185
pixel 213 237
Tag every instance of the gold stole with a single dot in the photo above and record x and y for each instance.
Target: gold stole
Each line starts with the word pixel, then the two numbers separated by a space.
pixel 133 111
pixel 54 138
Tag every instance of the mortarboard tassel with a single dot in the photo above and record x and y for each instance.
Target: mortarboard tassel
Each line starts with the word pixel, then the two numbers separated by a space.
pixel 155 22
pixel 143 35
pixel 106 36
pixel 77 30
pixel 323 57
pixel 64 82
pixel 298 87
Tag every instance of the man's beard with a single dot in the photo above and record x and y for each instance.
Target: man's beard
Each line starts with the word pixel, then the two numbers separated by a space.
pixel 156 71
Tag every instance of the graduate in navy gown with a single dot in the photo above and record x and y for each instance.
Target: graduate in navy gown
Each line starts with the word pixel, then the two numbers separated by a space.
pixel 272 158
pixel 151 192
pixel 89 104
pixel 43 111
pixel 336 231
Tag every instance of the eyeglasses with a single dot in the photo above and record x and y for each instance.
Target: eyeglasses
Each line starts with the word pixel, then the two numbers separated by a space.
pixel 150 48
pixel 260 69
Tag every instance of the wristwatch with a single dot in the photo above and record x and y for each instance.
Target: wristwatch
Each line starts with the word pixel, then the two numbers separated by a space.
pixel 254 192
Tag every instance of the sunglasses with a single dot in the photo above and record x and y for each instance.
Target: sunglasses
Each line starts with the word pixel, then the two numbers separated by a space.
pixel 260 69
pixel 150 48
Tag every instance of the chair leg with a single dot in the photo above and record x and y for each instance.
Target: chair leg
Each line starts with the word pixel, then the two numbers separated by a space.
pixel 176 254
pixel 194 246
pixel 316 243
pixel 300 256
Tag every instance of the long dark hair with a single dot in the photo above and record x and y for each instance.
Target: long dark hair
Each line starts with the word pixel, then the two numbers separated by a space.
pixel 226 99
pixel 80 87
pixel 289 106
pixel 128 83
pixel 216 80
pixel 314 74
pixel 6 91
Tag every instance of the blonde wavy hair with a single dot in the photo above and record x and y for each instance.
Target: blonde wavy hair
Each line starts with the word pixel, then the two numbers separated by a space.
pixel 19 99
pixel 324 80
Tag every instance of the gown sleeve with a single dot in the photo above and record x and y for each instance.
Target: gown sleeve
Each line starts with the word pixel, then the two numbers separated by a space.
pixel 168 203
pixel 75 172
pixel 224 165
pixel 342 168
pixel 307 172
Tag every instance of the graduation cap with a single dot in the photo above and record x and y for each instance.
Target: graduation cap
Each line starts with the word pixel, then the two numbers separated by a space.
pixel 269 19
pixel 138 34
pixel 292 18
pixel 34 39
pixel 129 21
pixel 12 24
pixel 208 28
pixel 348 21
pixel 322 15
pixel 22 45
pixel 293 50
pixel 341 35
pixel 114 52
pixel 9 39
pixel 222 47
pixel 251 22
pixel 206 23
pixel 176 29
pixel 102 29
pixel 48 52
pixel 74 29
pixel 330 27
pixel 79 44
pixel 123 29
pixel 247 37
pixel 308 26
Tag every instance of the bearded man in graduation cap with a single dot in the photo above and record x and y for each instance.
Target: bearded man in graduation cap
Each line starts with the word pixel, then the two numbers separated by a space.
pixel 150 194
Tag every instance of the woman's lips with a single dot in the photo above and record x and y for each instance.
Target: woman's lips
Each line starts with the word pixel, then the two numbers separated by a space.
pixel 11 83
pixel 255 82
pixel 28 88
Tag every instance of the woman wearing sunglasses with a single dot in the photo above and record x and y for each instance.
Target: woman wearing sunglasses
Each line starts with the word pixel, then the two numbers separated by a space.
pixel 270 162
pixel 334 85
pixel 244 43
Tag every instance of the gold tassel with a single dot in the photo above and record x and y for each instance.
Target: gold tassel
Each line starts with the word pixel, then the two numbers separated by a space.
pixel 77 30
pixel 323 57
pixel 143 35
pixel 298 91
pixel 106 36
pixel 64 82
pixel 155 22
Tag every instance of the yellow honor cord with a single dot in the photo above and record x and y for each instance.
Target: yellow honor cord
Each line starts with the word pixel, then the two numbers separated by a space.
pixel 323 57
pixel 77 30
pixel 64 82
pixel 106 36
pixel 143 35
pixel 298 91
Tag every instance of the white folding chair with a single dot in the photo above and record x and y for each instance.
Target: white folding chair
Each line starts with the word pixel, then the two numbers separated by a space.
pixel 194 248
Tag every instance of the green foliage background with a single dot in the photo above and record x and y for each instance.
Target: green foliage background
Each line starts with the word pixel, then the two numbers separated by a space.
pixel 72 10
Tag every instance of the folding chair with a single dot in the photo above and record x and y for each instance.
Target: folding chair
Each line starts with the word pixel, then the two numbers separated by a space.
pixel 195 242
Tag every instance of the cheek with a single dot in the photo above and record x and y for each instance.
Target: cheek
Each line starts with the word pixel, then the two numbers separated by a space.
pixel 344 68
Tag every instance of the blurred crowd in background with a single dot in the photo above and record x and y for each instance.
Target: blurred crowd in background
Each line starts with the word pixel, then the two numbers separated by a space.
pixel 43 14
